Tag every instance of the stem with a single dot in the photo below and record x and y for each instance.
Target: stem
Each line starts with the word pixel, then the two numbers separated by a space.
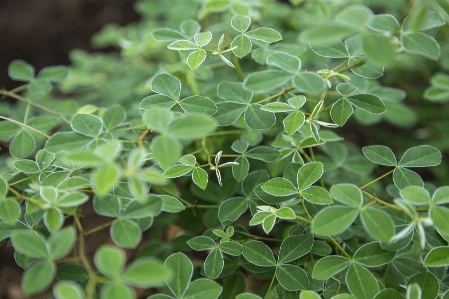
pixel 379 178
pixel 339 247
pixel 276 95
pixel 304 206
pixel 271 284
pixel 100 227
pixel 230 132
pixel 382 202
pixel 191 81
pixel 237 67
pixel 257 237
pixel 347 68
pixel 141 137
pixel 24 125
pixel 303 219
pixel 25 197
pixel 203 206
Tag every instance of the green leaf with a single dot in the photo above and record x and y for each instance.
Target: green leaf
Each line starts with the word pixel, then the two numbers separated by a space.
pixel 278 107
pixel 266 80
pixel 292 278
pixel 368 102
pixel 201 243
pixel 258 119
pixel 243 44
pixel 20 70
pixel 126 233
pixel 167 85
pixel 9 210
pixel 8 129
pixel 213 265
pixel 166 151
pixel 380 154
pixel 259 217
pixel 157 100
pixel 284 61
pixel 263 153
pixel 309 174
pixel 355 15
pixel 240 23
pixel 108 205
pixel 427 282
pixel 22 145
pixel 373 255
pixel 293 122
pixel 137 274
pixel 329 266
pixel 182 45
pixel 61 243
pixel 421 44
pixel 231 209
pixel 388 294
pixel 110 260
pixel 385 22
pixel 268 223
pixel 171 205
pixel 333 220
pixel 421 156
pixel 68 290
pixel 202 38
pixel 437 257
pixel 53 219
pixel 279 187
pixel 247 296
pixel 258 253
pixel 264 34
pixel 440 196
pixel 309 295
pixel 341 111
pixel 378 47
pixel 309 82
pixel 38 277
pixel 361 282
pixel 403 177
pixel 196 58
pixel 285 213
pixel 157 118
pixel 317 195
pixel 3 187
pixel 177 171
pixel 368 69
pixel 138 210
pixel 203 289
pixel 193 126
pixel 198 104
pixel 182 268
pixel 87 124
pixel 200 177
pixel 55 73
pixel 73 183
pixel 332 49
pixel 66 141
pixel 190 27
pixel 416 195
pixel 234 92
pixel 347 194
pixel 326 33
pixel 378 224
pixel 106 178
pixel 240 171
pixel 231 248
pixel 413 291
pixel 117 290
pixel 294 247
pixel 166 34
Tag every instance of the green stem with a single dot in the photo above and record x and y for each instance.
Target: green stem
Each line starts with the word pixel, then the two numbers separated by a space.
pixel 276 95
pixel 303 219
pixel 271 284
pixel 191 81
pixel 339 247
pixel 203 206
pixel 238 68
pixel 230 132
pixel 382 202
pixel 347 68
pixel 379 178
pixel 24 125
pixel 100 227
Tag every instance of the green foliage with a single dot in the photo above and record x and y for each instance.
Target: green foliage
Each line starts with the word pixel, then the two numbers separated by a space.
pixel 212 143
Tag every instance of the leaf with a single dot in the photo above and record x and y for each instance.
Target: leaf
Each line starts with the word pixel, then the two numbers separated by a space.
pixel 171 205
pixel 190 27
pixel 258 253
pixel 439 216
pixel 332 49
pixel 29 243
pixel 437 257
pixel 309 82
pixel 258 119
pixel 228 113
pixel 388 294
pixel 413 291
pixel 264 34
pixel 378 224
pixel 309 295
pixel 317 195
pixel 329 266
pixel 241 170
pixel 355 15
pixel 166 85
pixel 361 282
pixel 266 80
pixel 3 187
pixel 157 118
pixel 182 45
pixel 378 47
pixel 416 195
pixel 285 213
pixel 68 290
pixel 421 44
pixel 247 296
pixel 60 243
pixel 326 33
pixel 404 177
pixel 110 260
pixel 231 248
pixel 427 282
pixel 198 104
pixel 165 150
pixel 196 58
pixel 138 210
pixel 118 290
pixel 279 187
pixel 38 277
pixel 268 223
pixel 108 205
pixel 380 154
pixel 182 268
pixel 309 174
pixel 125 233
pixel 22 145
pixel 278 107
pixel 20 70
pixel 177 171
pixel 201 243
pixel 8 129
pixel 166 34
pixel 233 286
pixel 421 156
pixel 347 194
pixel 234 92
pixel 373 255
pixel 137 274
pixel 231 209
pixel 294 247
pixel 203 289
pixel 243 44
pixel 200 177
pixel 368 102
pixel 440 196
pixel 193 126
pixel 284 61
pixel 213 265
pixel 105 179
pixel 66 141
pixel 292 278
pixel 333 220
pixel 53 219
pixel 157 100
pixel 203 38
pixel 341 111
pixel 9 210
pixel 384 22
pixel 240 23
pixel 87 124
pixel 293 122
pixel 367 69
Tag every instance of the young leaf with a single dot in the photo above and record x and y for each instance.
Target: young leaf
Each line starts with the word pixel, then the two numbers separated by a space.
pixel 201 243
pixel 106 178
pixel 193 126
pixel 278 107
pixel 293 122
pixel 309 174
pixel 268 223
pixel 166 151
pixel 171 205
pixel 240 23
pixel 242 45
pixel 203 38
pixel 441 195
pixel 68 290
pixel 265 34
pixel 182 45
pixel 177 171
pixel 341 111
pixel 200 177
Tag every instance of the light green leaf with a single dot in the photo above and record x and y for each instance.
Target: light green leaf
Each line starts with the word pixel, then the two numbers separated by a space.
pixel 73 183
pixel 117 290
pixel 145 273
pixel 284 61
pixel 200 177
pixel 157 118
pixel 333 220
pixel 53 219
pixel 421 44
pixel 292 278
pixel 294 247
pixel 380 154
pixel 326 33
pixel 243 44
pixel 317 195
pixel 241 170
pixel 309 82
pixel 413 291
pixel 279 187
pixel 177 171
pixel 196 58
pixel 421 156
pixel 367 69
pixel 126 233
pixel 373 255
pixel 309 295
pixel 9 210
pixel 278 107
pixel 341 111
pixel 258 253
pixel 404 177
pixel 87 124
pixel 157 100
pixel 38 277
pixel 263 153
pixel 428 283
pixel 264 34
pixel 240 23
pixel 258 119
pixel 439 216
pixel 347 194
pixel 268 223
pixel 182 45
pixel 138 210
pixel 356 15
pixel 361 282
pixel 203 38
pixel 201 243
pixel 437 257
pixel 213 265
pixel 440 196
pixel 309 174
pixel 247 296
pixel 108 205
pixel 8 129
pixel 266 80
pixel 193 126
pixel 21 71
pixel 166 34
pixel 167 85
pixel 259 217
pixel 203 289
pixel 388 294
pixel 3 187
pixel 385 22
pixel 378 47
pixel 234 92
pixel 329 266
pixel 190 27
pixel 61 243
pixel 293 122
pixel 22 145
pixel 368 102
pixel 66 141
pixel 231 248
pixel 68 290
pixel 285 213
pixel 198 104
pixel 106 178
pixel 110 260
pixel 378 224
pixel 171 205
pixel 53 73
pixel 165 150
pixel 182 268
pixel 231 209
pixel 332 49
pixel 416 195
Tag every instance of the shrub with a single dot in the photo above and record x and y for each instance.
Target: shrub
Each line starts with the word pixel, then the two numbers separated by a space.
pixel 216 152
